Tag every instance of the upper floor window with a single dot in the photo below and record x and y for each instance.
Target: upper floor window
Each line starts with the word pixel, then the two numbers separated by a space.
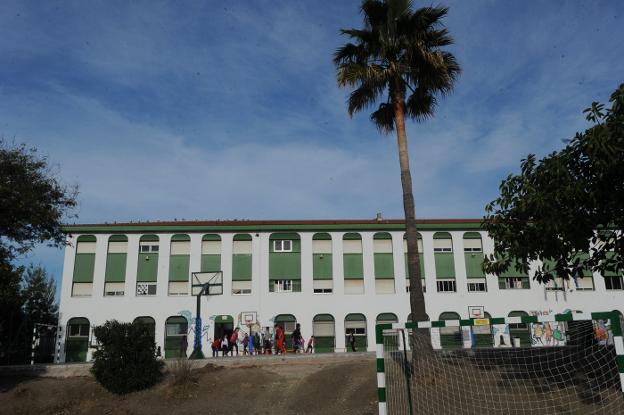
pixel 513 283
pixel 281 245
pixel 282 286
pixel 146 247
pixel 446 286
pixel 614 283
pixel 442 242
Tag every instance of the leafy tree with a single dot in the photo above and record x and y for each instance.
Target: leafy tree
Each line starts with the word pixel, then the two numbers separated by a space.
pixel 398 61
pixel 39 296
pixel 33 205
pixel 125 359
pixel 566 209
pixel 33 202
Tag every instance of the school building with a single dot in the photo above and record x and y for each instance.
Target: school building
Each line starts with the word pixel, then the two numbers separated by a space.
pixel 335 277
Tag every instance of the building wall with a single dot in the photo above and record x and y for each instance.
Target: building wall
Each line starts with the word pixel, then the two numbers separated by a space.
pixel 304 305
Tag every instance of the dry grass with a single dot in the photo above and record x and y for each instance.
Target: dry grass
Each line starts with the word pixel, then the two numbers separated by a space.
pixel 183 380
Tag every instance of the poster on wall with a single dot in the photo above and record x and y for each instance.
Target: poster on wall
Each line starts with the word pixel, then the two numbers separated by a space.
pixel 500 332
pixel 547 334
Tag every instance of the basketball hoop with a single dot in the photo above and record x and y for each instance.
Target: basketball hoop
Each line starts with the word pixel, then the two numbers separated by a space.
pixel 204 283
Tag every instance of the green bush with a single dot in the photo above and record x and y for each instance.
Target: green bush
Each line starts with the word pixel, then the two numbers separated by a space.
pixel 125 359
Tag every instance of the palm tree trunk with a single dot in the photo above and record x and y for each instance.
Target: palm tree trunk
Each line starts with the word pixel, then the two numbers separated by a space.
pixel 420 338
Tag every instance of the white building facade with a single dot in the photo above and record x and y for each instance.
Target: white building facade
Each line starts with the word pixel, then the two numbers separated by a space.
pixel 332 277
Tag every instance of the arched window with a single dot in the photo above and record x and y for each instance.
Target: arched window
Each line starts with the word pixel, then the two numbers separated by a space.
pixel 444 262
pixel 148 322
pixel 387 318
pixel 116 258
pixel 84 265
pixel 324 332
pixel 356 323
pixel 384 263
pixel 322 268
pixel 176 341
pixel 147 268
pixel 451 337
pixel 241 264
pixel 353 263
pixel 520 331
pixel 77 340
pixel 288 323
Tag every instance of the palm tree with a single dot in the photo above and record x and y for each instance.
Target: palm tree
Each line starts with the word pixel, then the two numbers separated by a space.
pixel 398 57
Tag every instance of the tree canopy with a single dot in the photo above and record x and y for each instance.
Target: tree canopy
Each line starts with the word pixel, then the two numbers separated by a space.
pixel 33 201
pixel 566 209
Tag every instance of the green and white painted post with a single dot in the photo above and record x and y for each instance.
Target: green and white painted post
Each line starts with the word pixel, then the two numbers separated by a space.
pixel 381 371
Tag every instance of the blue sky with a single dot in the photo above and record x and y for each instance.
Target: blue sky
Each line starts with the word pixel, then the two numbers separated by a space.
pixel 222 110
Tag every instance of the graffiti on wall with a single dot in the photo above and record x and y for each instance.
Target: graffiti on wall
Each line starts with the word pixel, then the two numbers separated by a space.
pixel 191 324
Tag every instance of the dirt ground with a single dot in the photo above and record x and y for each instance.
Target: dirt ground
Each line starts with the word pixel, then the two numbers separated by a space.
pixel 273 386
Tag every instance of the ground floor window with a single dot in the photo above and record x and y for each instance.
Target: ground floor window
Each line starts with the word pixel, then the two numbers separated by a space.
pixel 355 333
pixel 446 286
pixel 77 340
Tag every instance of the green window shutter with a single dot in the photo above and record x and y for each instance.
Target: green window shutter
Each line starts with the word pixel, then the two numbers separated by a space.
pixel 115 267
pixel 83 267
pixel 285 265
pixel 384 266
pixel 241 267
pixel 147 269
pixel 210 262
pixel 473 264
pixel 525 282
pixel 445 265
pixel 422 265
pixel 322 266
pixel 179 267
pixel 501 283
pixel 353 267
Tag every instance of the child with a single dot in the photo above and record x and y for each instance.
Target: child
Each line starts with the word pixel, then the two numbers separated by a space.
pixel 245 344
pixel 216 346
pixel 310 345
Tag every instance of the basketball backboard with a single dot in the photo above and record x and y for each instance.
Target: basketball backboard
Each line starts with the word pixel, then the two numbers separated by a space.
pixel 207 283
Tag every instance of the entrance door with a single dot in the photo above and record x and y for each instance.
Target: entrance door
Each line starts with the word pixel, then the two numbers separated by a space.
pixel 224 325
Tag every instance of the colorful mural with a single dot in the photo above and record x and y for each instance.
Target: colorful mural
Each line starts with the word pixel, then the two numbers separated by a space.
pixel 548 334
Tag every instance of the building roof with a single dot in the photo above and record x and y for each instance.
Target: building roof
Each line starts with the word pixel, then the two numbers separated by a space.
pixel 270 225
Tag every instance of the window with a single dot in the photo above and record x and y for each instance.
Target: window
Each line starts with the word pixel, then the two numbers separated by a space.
pixel 407 285
pixel 323 286
pixel 79 330
pixel 241 287
pixel 555 285
pixel 357 331
pixel 477 286
pixel 584 284
pixel 146 288
pixel 446 286
pixel 282 286
pixel 443 245
pixel 114 289
pixel 614 283
pixel 282 246
pixel 513 283
pixel 82 289
pixel 472 249
pixel 177 288
pixel 147 247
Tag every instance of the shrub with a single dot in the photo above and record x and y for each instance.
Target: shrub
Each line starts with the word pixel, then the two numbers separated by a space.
pixel 183 380
pixel 125 360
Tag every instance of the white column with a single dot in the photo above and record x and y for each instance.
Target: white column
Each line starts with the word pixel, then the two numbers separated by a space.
pixel 368 259
pixel 99 269
pixel 461 280
pixel 337 265
pixel 339 332
pixel 400 273
pixel 430 270
pixel 132 263
pixel 227 240
pixel 162 278
pixel 306 264
pixel 488 249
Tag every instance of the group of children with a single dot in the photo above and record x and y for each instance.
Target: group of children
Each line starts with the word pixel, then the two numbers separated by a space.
pixel 261 343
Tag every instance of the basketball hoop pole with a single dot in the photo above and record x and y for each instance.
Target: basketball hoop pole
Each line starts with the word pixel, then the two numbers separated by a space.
pixel 197 347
